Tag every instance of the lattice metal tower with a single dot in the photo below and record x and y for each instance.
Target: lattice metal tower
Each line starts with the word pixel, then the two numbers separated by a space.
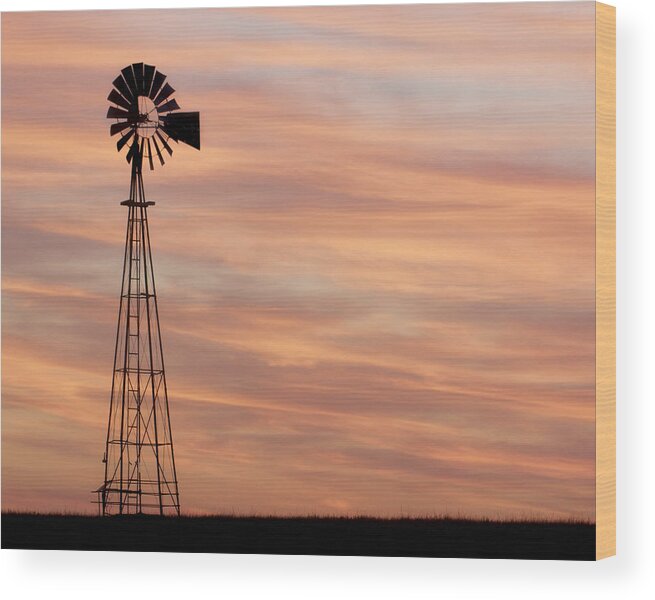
pixel 139 459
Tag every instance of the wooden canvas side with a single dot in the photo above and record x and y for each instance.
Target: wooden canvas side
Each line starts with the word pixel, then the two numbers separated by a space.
pixel 605 281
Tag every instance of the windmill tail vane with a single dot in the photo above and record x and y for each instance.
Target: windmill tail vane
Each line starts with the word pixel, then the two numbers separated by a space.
pixel 139 460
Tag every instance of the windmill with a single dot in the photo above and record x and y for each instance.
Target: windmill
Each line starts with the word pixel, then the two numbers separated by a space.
pixel 139 461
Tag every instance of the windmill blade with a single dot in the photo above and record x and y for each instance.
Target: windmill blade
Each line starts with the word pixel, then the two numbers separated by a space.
pixel 120 143
pixel 152 166
pixel 138 76
pixel 166 91
pixel 117 113
pixel 157 82
pixel 183 127
pixel 134 149
pixel 148 74
pixel 121 86
pixel 140 153
pixel 135 154
pixel 168 106
pixel 164 143
pixel 128 75
pixel 118 127
pixel 116 98
pixel 159 154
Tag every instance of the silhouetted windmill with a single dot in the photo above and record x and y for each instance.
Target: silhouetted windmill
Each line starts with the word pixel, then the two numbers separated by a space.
pixel 139 460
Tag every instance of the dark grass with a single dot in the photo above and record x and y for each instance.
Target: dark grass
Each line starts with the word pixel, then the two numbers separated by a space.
pixel 336 536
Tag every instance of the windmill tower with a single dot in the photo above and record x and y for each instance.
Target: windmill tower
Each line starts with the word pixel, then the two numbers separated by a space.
pixel 139 461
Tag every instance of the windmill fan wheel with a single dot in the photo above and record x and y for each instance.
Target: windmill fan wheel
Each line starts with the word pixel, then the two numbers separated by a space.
pixel 146 115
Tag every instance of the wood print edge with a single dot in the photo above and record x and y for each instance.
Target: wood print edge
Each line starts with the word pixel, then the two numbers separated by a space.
pixel 605 281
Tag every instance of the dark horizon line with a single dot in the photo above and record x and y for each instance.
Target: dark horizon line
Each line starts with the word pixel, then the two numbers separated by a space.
pixel 317 517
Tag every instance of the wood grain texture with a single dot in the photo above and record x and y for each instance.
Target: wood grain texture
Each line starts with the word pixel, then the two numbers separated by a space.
pixel 605 281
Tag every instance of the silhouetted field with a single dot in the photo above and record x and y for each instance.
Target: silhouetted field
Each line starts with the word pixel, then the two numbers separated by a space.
pixel 364 536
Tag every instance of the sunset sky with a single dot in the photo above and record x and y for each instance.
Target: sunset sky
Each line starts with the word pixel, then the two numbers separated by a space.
pixel 376 279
